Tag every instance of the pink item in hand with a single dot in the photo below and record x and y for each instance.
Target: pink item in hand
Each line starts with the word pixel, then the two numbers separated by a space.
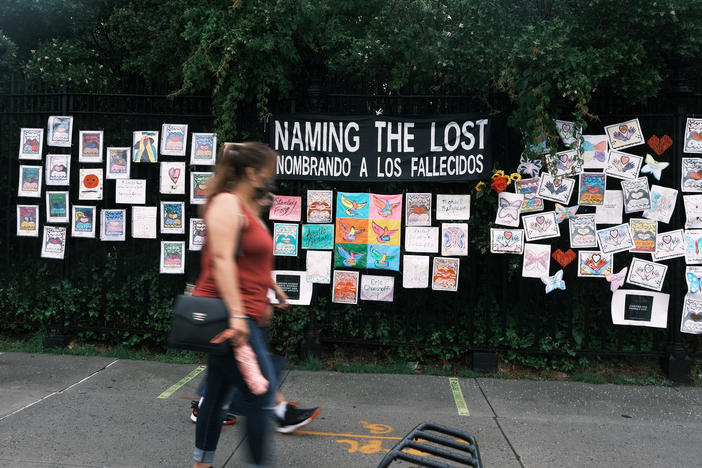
pixel 248 365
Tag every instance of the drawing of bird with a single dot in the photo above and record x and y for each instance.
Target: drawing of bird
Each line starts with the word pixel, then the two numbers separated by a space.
pixel 349 233
pixel 383 233
pixel 381 258
pixel 384 206
pixel 350 258
pixel 352 206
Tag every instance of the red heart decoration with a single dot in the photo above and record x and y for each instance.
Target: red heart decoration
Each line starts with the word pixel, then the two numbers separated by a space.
pixel 540 219
pixel 623 129
pixel 697 136
pixel 563 258
pixel 624 159
pixel 659 145
pixel 667 239
pixel 508 234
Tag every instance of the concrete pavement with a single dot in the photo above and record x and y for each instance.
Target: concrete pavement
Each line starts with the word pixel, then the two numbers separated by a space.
pixel 73 411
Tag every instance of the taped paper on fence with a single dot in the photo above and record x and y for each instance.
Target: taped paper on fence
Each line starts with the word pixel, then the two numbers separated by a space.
pixel 319 266
pixel 83 221
pixel 691 321
pixel 623 165
pixel 294 284
pixel 172 178
pixel 31 143
pixel 528 188
pixel 130 191
pixel 285 208
pixel 662 204
pixel 640 308
pixel 173 139
pixel 611 211
pixel 418 209
pixel 118 163
pixel 90 184
pixel 594 151
pixel 144 222
pixel 90 146
pixel 319 206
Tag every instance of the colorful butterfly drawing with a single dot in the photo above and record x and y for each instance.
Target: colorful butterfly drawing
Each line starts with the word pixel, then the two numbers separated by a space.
pixel 563 213
pixel 616 279
pixel 454 238
pixel 530 167
pixel 384 206
pixel 554 282
pixel 694 283
pixel 509 210
pixel 533 261
pixel 653 167
pixel 383 233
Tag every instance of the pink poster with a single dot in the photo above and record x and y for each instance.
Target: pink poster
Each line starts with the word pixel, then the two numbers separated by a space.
pixel 385 206
pixel 285 208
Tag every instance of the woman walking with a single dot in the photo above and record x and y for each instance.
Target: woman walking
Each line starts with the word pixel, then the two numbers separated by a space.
pixel 237 260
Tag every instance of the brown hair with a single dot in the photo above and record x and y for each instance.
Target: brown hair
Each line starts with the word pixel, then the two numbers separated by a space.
pixel 232 161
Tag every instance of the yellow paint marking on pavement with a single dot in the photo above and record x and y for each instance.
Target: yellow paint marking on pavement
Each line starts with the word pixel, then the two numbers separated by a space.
pixel 458 397
pixel 333 434
pixel 173 388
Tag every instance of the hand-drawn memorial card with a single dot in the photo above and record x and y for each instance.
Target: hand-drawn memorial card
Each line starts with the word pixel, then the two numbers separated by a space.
pixel 637 196
pixel 350 255
pixel 693 278
pixel 568 132
pixel 173 139
pixel 318 266
pixel 691 321
pixel 691 180
pixel 646 274
pixel 90 184
pixel 130 191
pixel 537 260
pixel 507 241
pixel 53 242
pixel 172 215
pixel 592 188
pixel 623 165
pixel 198 187
pixel 594 150
pixel 57 207
pixel 452 207
pixel 197 232
pixel 145 146
pixel 58 169
pixel 352 205
pixel 28 220
pixel 418 209
pixel 172 257
pixel 60 131
pixel 557 189
pixel 693 211
pixel 31 143
pixel 583 231
pixel 90 146
pixel 118 162
pixel 172 178
pixel 29 181
pixel 564 163
pixel 113 225
pixel 625 134
pixel 319 206
pixel 383 257
pixel 318 236
pixel 611 211
pixel 385 207
pixel 509 206
pixel 594 264
pixel 454 239
pixel 643 231
pixel 669 245
pixel 83 220
pixel 203 149
pixel 285 239
pixel 345 287
pixel 663 201
pixel 422 239
pixel 615 239
pixel 693 136
pixel 144 222
pixel 445 274
pixel 541 226
pixel 285 208
pixel 415 271
pixel 528 188
pixel 377 288
pixel 693 246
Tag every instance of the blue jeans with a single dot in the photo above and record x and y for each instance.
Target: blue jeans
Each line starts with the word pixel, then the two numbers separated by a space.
pixel 223 377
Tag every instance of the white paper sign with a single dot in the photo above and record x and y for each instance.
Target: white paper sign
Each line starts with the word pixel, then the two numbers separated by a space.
pixel 611 211
pixel 319 266
pixel 693 211
pixel 537 260
pixel 454 239
pixel 422 239
pixel 415 271
pixel 172 180
pixel 509 206
pixel 295 286
pixel 130 191
pixel 663 201
pixel 640 308
pixel 144 222
pixel 377 288
pixel 691 321
pixel 452 207
pixel 669 245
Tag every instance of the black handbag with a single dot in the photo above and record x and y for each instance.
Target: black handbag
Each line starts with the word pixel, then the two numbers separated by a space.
pixel 196 320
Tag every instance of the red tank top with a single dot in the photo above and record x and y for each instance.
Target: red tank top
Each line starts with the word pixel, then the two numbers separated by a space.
pixel 254 265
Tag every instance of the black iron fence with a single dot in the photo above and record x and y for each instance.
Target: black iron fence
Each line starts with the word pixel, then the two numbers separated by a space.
pixel 115 288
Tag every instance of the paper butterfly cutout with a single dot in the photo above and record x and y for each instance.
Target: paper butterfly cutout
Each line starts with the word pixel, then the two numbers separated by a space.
pixel 694 283
pixel 554 282
pixel 509 209
pixel 565 213
pixel 530 167
pixel 616 279
pixel 654 167
pixel 535 261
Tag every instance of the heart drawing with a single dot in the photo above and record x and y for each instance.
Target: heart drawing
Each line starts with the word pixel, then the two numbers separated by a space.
pixel 174 174
pixel 660 145
pixel 564 258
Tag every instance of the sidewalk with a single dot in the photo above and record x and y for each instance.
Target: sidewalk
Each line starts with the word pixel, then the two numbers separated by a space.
pixel 72 411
